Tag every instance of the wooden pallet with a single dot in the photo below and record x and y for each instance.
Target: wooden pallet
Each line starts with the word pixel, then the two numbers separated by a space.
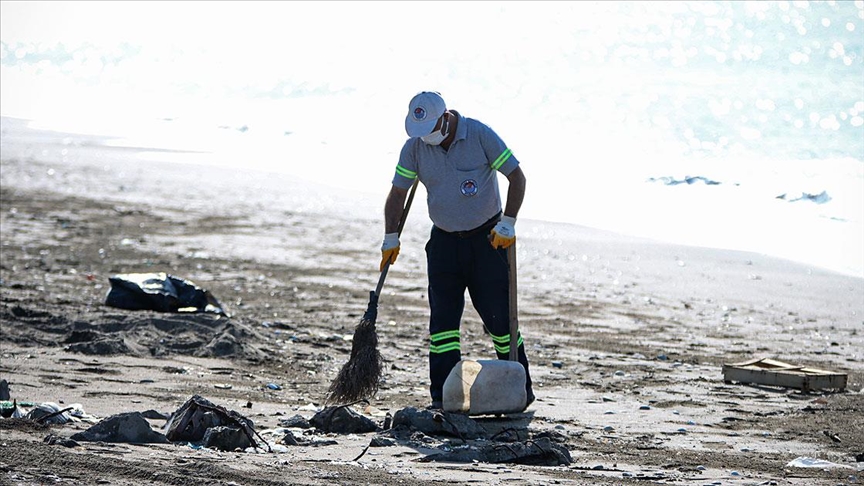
pixel 771 372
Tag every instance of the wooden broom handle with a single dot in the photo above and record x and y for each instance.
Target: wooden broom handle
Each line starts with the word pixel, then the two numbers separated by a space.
pixel 398 232
pixel 514 317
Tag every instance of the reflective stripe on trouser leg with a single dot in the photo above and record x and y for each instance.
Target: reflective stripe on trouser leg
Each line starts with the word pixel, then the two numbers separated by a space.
pixel 502 343
pixel 443 342
pixel 444 353
pixel 502 350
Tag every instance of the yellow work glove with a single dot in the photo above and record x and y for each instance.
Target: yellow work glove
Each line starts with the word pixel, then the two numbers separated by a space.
pixel 504 233
pixel 389 249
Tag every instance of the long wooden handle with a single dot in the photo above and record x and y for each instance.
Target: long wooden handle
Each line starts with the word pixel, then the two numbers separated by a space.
pixel 399 232
pixel 514 310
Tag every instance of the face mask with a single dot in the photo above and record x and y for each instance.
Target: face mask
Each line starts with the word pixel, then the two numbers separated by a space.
pixel 438 136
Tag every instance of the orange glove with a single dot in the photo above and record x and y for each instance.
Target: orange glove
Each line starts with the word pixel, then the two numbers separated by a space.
pixel 389 249
pixel 504 233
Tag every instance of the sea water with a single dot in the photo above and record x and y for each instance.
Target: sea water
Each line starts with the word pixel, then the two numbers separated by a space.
pixel 724 124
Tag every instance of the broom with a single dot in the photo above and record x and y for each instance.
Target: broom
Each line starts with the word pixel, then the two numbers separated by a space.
pixel 359 377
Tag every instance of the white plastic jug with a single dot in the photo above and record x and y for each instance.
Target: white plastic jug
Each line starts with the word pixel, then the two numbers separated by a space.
pixel 485 387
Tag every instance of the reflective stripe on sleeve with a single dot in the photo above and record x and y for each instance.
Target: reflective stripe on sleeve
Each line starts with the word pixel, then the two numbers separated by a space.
pixel 501 159
pixel 408 174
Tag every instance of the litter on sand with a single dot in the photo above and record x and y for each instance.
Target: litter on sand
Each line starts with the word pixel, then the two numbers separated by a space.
pixel 777 373
pixel 811 462
pixel 159 292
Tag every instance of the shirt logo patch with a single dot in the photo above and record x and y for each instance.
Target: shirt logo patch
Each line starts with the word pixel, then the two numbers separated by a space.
pixel 419 113
pixel 469 187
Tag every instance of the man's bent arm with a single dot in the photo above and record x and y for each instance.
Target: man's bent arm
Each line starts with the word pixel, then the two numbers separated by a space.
pixel 393 208
pixel 515 192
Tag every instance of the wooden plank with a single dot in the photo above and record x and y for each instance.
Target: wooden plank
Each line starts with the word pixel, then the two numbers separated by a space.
pixel 777 373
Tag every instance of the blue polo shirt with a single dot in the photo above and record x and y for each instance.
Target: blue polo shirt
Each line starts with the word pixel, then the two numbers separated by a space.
pixel 461 183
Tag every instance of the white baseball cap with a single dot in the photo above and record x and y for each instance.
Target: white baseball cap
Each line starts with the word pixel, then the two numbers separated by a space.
pixel 423 113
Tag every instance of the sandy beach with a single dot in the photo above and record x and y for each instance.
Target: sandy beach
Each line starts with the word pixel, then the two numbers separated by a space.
pixel 627 337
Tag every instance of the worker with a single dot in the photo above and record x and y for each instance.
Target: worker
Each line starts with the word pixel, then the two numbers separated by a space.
pixel 458 159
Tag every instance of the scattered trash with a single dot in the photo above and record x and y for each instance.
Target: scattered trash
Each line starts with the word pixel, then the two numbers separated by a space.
pixel 777 373
pixel 226 438
pixel 159 292
pixel 812 462
pixel 297 422
pixel 438 423
pixel 129 427
pixel 342 420
pixel 49 413
pixel 11 409
pixel 199 423
pixel 538 452
pixel 273 386
pixel 192 421
pixel 282 436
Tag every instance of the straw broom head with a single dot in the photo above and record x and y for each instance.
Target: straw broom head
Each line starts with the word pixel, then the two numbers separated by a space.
pixel 359 377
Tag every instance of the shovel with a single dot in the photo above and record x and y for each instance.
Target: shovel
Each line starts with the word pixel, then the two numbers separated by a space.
pixel 494 386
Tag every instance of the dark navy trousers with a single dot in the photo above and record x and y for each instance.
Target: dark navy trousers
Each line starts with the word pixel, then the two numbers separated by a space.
pixel 456 262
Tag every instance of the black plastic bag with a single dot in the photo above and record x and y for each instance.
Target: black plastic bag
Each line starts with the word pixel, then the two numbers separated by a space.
pixel 159 292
